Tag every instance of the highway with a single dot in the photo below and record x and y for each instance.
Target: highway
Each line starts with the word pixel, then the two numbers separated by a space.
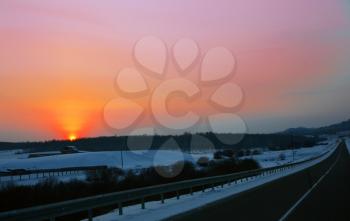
pixel 330 199
pixel 320 193
pixel 317 190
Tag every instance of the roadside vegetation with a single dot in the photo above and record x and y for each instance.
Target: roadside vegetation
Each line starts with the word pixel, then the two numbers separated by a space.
pixel 114 179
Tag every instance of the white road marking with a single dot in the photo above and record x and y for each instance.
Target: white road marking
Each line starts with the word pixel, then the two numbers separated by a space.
pixel 285 216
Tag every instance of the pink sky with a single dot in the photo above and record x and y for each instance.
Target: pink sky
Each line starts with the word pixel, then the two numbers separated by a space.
pixel 59 59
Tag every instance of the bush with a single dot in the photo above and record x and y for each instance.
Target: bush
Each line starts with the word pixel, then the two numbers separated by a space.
pixel 203 161
pixel 112 180
pixel 217 155
pixel 229 153
pixel 220 154
pixel 105 175
pixel 282 156
pixel 257 152
pixel 248 164
pixel 241 153
pixel 222 167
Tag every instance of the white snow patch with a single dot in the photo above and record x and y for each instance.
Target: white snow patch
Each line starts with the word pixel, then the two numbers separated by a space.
pixel 131 160
pixel 273 158
pixel 347 140
pixel 12 154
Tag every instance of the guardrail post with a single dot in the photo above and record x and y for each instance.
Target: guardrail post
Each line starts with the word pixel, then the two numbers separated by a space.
pixel 143 203
pixel 90 214
pixel 120 208
pixel 162 198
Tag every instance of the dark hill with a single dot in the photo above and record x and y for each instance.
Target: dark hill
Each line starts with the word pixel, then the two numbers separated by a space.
pixel 331 129
pixel 273 141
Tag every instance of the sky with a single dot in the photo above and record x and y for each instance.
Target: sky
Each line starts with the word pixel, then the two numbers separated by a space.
pixel 59 61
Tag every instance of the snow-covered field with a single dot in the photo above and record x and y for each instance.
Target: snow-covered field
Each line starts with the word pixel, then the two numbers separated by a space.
pixel 131 159
pixel 138 159
pixel 142 159
pixel 276 158
pixel 12 154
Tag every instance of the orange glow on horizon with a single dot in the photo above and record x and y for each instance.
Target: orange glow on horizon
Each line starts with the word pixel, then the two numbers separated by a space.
pixel 72 137
pixel 72 118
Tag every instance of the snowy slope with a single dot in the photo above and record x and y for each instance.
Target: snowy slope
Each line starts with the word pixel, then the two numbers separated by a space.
pixel 12 154
pixel 141 159
pixel 134 159
pixel 272 158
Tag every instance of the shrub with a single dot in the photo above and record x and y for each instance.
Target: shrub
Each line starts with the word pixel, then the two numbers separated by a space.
pixel 109 180
pixel 218 155
pixel 203 161
pixel 282 156
pixel 257 152
pixel 105 175
pixel 229 153
pixel 188 171
pixel 222 167
pixel 248 164
pixel 241 153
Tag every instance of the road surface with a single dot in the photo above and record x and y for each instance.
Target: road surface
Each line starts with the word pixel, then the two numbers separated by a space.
pixel 321 193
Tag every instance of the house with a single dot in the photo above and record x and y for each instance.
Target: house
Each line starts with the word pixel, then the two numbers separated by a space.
pixel 69 149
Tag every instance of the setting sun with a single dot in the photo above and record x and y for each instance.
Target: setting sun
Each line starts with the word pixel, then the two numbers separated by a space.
pixel 72 137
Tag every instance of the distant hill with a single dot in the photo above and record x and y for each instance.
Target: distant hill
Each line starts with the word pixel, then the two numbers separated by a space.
pixel 184 142
pixel 331 129
pixel 296 137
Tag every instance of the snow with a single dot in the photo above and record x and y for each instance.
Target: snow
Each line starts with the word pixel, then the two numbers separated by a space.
pixel 141 159
pixel 25 181
pixel 9 160
pixel 12 154
pixel 272 158
pixel 157 211
pixel 347 140
pixel 132 159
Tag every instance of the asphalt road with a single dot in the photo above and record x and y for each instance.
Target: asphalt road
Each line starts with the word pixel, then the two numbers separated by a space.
pixel 328 200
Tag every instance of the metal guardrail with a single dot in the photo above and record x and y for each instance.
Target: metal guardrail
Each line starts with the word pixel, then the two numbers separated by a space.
pixel 39 173
pixel 52 211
